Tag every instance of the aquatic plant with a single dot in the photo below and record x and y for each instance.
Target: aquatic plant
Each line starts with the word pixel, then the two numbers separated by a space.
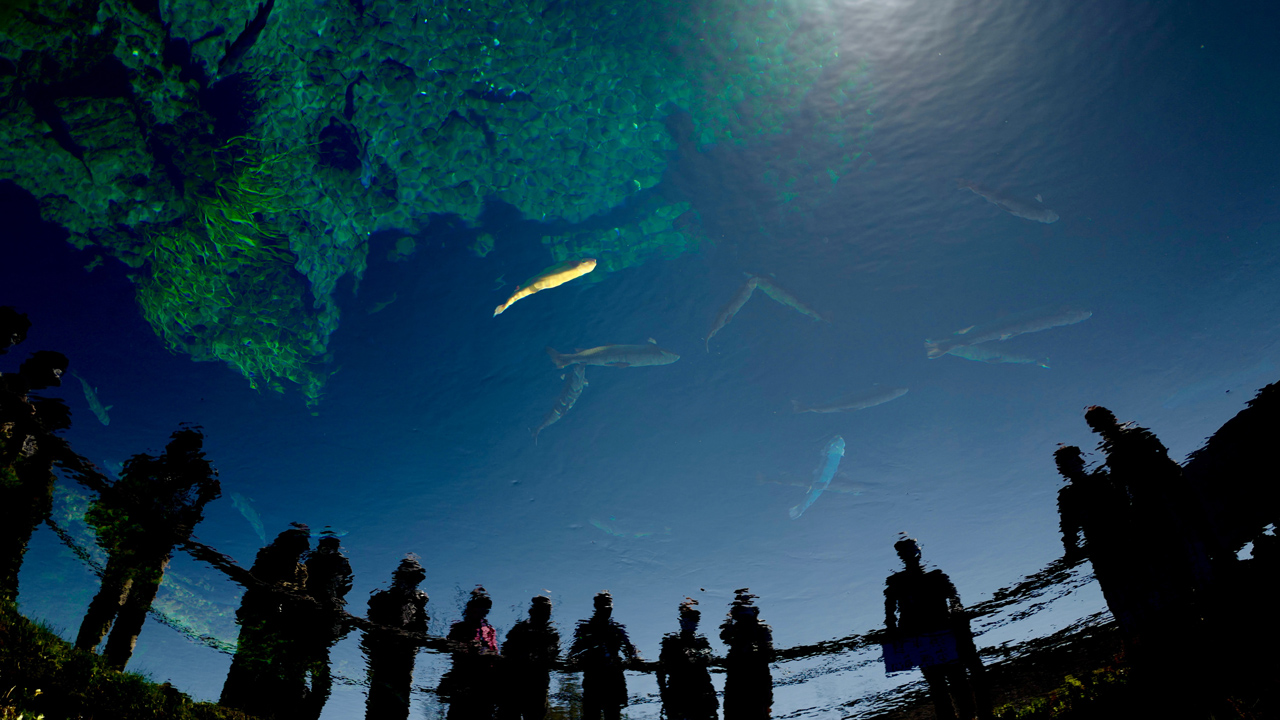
pixel 222 285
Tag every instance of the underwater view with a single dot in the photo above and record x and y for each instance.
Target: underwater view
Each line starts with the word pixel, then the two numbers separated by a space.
pixel 681 358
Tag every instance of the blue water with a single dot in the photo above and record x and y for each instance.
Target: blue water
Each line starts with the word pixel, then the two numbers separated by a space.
pixel 1150 128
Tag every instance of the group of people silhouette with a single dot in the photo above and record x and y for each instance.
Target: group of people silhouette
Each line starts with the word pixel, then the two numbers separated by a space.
pixel 1164 541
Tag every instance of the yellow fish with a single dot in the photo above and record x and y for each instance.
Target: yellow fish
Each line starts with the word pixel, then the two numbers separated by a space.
pixel 551 277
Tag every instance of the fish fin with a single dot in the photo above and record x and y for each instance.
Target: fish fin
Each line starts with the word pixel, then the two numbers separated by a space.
pixel 534 433
pixel 796 407
pixel 652 341
pixel 965 330
pixel 556 357
pixel 579 349
pixel 107 408
pixel 1045 364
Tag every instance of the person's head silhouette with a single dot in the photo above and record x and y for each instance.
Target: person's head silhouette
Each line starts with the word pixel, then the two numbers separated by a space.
pixel 689 616
pixel 909 550
pixel 409 573
pixel 478 605
pixel 604 605
pixel 540 610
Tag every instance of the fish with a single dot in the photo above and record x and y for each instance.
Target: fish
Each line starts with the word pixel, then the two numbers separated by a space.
pixel 822 477
pixel 988 354
pixel 1003 331
pixel 553 276
pixel 619 356
pixel 786 298
pixel 244 505
pixel 91 395
pixel 574 381
pixel 1013 206
pixel 856 401
pixel 380 306
pixel 740 298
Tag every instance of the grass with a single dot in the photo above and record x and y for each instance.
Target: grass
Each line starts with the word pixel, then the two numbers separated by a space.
pixel 43 676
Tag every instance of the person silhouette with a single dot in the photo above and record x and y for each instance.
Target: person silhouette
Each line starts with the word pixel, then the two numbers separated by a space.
pixel 470 685
pixel 139 520
pixel 389 653
pixel 528 654
pixel 323 625
pixel 1096 525
pixel 602 650
pixel 28 446
pixel 748 684
pixel 684 682
pixel 919 603
pixel 266 677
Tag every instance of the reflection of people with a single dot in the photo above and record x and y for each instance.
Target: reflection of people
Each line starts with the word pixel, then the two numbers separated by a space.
pixel 1092 506
pixel 602 650
pixel 918 603
pixel 748 684
pixel 28 446
pixel 683 679
pixel 469 686
pixel 266 677
pixel 139 519
pixel 390 655
pixel 322 626
pixel 532 646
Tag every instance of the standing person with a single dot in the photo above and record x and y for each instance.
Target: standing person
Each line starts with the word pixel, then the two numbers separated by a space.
pixel 153 507
pixel 322 626
pixel 469 686
pixel 748 684
pixel 267 677
pixel 1092 506
pixel 390 654
pixel 683 679
pixel 531 649
pixel 602 650
pixel 28 446
pixel 920 603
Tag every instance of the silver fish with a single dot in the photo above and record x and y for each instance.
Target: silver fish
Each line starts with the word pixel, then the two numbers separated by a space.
pixel 849 403
pixel 740 298
pixel 1011 205
pixel 620 356
pixel 574 381
pixel 245 506
pixel 91 395
pixel 786 298
pixel 989 354
pixel 822 476
pixel 1005 330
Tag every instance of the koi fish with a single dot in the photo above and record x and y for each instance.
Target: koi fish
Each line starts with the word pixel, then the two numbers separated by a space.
pixel 740 298
pixel 1011 205
pixel 91 395
pixel 619 356
pixel 553 276
pixel 574 381
pixel 822 477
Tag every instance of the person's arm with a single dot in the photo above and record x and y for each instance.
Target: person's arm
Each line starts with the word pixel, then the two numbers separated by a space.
pixel 1070 523
pixel 890 608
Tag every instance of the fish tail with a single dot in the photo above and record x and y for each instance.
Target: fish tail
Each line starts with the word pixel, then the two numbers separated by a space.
pixel 795 512
pixel 932 350
pixel 796 407
pixel 556 357
pixel 534 432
